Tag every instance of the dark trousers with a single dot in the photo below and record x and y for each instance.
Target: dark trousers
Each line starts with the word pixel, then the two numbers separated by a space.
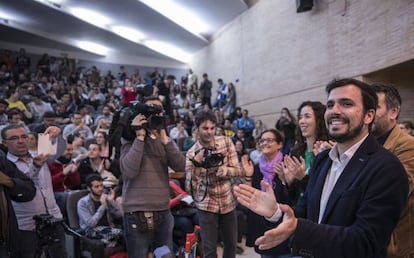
pixel 29 243
pixel 210 225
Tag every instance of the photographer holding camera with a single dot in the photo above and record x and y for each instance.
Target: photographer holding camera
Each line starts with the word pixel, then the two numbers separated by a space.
pixel 211 166
pixel 144 163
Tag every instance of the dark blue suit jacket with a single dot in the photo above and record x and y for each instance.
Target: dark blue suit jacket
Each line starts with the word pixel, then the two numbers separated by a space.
pixel 362 210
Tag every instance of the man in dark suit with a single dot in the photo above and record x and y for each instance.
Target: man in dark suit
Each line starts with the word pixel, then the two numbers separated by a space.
pixel 355 193
pixel 14 186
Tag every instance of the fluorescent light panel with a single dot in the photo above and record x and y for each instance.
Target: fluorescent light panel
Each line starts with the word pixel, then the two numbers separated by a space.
pixel 92 17
pixel 179 14
pixel 168 50
pixel 93 47
pixel 128 33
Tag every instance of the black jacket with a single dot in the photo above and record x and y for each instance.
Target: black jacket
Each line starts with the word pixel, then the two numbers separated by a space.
pixel 23 191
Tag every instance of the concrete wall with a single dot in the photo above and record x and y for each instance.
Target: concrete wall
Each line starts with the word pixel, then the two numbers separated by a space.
pixel 282 58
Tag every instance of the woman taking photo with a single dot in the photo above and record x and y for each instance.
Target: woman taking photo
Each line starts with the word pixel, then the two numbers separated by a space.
pixel 271 143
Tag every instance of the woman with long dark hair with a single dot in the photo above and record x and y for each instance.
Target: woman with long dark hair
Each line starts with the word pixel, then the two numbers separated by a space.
pixel 311 128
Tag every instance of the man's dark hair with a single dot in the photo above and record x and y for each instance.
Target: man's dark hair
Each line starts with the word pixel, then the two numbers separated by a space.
pixel 13 111
pixel 4 102
pixel 369 97
pixel 49 114
pixel 93 177
pixel 205 115
pixel 392 96
pixel 9 127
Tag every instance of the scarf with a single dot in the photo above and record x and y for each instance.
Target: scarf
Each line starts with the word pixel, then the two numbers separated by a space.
pixel 268 168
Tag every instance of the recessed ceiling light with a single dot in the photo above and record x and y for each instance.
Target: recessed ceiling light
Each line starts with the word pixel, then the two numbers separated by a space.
pixel 93 47
pixel 168 50
pixel 179 14
pixel 90 16
pixel 128 33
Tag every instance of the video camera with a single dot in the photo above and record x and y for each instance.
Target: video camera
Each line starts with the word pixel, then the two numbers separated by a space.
pixel 45 227
pixel 150 111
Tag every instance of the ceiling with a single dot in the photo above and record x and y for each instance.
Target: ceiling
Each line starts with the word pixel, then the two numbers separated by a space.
pixel 49 24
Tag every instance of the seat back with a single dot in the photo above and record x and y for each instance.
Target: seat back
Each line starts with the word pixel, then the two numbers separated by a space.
pixel 72 207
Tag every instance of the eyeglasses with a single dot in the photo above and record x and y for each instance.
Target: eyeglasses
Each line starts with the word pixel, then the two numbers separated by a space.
pixel 267 140
pixel 15 138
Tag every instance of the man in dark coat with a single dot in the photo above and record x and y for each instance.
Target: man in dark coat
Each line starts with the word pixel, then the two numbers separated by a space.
pixel 14 186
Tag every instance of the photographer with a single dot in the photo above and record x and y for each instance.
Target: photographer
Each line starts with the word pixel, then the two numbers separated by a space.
pixel 15 138
pixel 144 163
pixel 211 167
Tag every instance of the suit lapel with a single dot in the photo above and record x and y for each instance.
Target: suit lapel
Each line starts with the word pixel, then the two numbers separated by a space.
pixel 313 213
pixel 350 173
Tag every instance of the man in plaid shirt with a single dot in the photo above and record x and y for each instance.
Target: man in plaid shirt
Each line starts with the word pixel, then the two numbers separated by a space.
pixel 211 167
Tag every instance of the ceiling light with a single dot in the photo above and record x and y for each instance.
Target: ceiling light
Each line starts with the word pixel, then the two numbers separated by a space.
pixel 128 33
pixel 89 16
pixel 168 50
pixel 180 15
pixel 93 47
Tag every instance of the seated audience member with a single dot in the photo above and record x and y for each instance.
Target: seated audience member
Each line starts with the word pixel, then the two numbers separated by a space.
pixel 407 127
pixel 184 212
pixel 106 115
pixel 102 141
pixel 246 123
pixel 48 119
pixel 97 212
pixel 228 130
pixel 79 152
pixel 94 164
pixel 248 141
pixel 62 117
pixel 189 141
pixel 86 116
pixel 77 126
pixel 219 131
pixel 32 143
pixel 3 108
pixel 179 130
pixel 258 129
pixel 255 154
pixel 14 116
pixel 238 145
pixel 38 107
pixel 287 125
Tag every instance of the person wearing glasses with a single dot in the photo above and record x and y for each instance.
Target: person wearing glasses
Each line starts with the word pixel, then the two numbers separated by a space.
pixel 271 144
pixel 15 138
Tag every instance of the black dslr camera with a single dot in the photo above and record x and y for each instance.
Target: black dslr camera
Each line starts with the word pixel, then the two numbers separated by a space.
pixel 148 110
pixel 210 159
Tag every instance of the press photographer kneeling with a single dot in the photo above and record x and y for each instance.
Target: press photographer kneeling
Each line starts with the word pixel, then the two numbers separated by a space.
pixel 144 163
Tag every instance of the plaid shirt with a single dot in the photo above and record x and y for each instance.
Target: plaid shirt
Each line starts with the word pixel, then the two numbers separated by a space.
pixel 212 188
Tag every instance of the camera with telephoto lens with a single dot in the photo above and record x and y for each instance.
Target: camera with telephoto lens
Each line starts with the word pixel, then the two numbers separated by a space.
pixel 150 111
pixel 210 159
pixel 46 227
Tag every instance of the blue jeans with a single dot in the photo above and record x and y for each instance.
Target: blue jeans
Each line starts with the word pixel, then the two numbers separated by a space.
pixel 138 244
pixel 210 225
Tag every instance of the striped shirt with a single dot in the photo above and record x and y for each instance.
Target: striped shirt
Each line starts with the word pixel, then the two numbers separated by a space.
pixel 212 188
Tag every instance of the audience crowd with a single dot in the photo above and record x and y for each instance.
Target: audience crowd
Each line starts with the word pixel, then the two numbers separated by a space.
pixel 82 104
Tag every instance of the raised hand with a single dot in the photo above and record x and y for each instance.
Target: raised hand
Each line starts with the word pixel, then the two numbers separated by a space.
pixel 283 231
pixel 262 203
pixel 294 168
pixel 247 165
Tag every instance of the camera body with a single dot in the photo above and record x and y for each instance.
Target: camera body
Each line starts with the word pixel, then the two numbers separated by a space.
pixel 210 159
pixel 148 110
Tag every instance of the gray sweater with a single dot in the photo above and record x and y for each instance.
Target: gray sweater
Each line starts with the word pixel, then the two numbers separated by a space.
pixel 144 167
